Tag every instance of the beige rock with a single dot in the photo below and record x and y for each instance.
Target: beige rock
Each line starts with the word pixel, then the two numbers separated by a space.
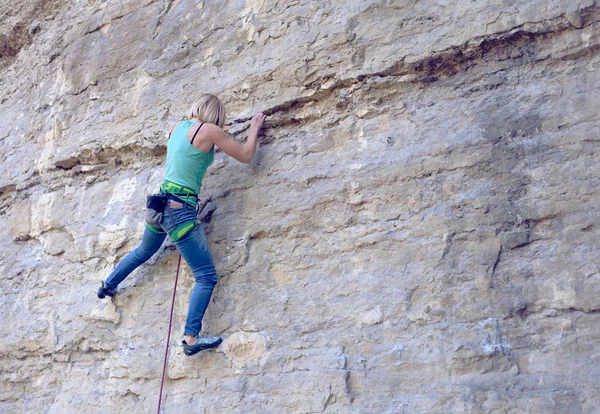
pixel 371 317
pixel 19 220
pixel 418 231
pixel 243 348
pixel 575 18
pixel 105 311
pixel 56 242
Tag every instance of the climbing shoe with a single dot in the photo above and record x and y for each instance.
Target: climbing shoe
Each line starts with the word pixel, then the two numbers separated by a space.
pixel 201 344
pixel 103 291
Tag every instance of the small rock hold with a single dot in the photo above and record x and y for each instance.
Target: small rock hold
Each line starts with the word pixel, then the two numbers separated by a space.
pixel 35 27
pixel 575 18
pixel 19 220
pixel 106 312
pixel 372 317
pixel 363 112
pixel 243 347
pixel 55 243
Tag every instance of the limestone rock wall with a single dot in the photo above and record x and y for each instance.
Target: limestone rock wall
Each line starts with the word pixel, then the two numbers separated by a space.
pixel 418 232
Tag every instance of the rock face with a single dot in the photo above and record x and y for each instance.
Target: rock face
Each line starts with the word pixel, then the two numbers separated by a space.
pixel 418 232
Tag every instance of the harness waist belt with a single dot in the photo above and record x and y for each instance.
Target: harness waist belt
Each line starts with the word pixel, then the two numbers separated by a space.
pixel 176 189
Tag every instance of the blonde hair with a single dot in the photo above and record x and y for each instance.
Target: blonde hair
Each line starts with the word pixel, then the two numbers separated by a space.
pixel 208 108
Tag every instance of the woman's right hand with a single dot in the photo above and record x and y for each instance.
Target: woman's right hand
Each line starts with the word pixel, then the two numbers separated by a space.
pixel 257 122
pixel 242 153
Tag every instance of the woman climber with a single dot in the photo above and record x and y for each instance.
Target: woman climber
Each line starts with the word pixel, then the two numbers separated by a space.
pixel 190 151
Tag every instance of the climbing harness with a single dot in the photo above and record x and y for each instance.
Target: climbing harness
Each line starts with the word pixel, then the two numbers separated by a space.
pixel 157 204
pixel 176 189
pixel 162 381
pixel 183 193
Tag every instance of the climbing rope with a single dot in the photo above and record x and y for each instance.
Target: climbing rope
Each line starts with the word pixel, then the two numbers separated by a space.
pixel 162 381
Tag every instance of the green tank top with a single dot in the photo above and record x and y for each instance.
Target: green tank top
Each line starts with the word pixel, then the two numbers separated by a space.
pixel 186 164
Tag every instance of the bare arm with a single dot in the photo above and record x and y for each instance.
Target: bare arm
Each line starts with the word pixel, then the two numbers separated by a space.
pixel 243 153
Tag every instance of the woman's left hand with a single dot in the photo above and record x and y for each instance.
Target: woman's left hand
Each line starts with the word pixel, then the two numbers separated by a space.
pixel 257 122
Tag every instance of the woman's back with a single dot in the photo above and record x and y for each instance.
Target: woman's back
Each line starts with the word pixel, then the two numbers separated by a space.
pixel 186 164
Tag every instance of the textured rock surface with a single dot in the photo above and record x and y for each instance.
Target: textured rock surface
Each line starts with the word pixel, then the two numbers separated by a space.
pixel 418 231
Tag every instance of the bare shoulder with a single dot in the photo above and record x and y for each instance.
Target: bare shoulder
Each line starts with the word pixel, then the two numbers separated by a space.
pixel 206 135
pixel 212 129
pixel 213 133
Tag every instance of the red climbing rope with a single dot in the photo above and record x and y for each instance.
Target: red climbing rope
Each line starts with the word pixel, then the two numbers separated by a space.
pixel 162 381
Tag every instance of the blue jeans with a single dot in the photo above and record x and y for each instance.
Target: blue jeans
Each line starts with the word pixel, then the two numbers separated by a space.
pixel 195 251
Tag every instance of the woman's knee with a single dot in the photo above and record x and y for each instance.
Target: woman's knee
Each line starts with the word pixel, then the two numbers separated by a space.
pixel 143 255
pixel 206 275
